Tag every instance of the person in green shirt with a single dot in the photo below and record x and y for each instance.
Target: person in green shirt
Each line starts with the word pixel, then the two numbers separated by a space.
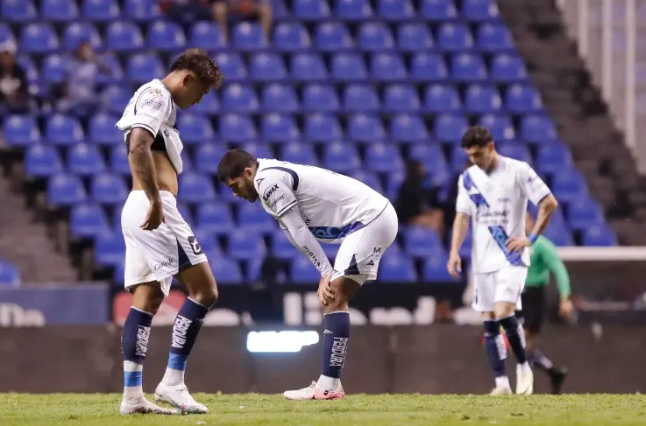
pixel 544 259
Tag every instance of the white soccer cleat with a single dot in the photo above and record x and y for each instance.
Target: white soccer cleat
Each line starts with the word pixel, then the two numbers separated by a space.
pixel 500 390
pixel 178 396
pixel 141 405
pixel 312 392
pixel 524 381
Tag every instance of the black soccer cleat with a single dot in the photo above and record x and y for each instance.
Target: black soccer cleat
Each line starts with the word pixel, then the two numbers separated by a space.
pixel 557 376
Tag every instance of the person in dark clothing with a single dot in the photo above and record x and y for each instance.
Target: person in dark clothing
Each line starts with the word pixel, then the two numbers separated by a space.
pixel 14 97
pixel 417 204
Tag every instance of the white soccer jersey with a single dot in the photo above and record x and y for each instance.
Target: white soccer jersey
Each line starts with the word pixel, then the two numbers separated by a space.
pixel 497 204
pixel 152 108
pixel 332 205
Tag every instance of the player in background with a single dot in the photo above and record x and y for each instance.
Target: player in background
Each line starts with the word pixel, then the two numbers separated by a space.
pixel 493 195
pixel 315 205
pixel 159 243
pixel 544 259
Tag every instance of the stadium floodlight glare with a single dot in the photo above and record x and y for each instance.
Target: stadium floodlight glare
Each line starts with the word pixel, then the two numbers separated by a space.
pixel 280 341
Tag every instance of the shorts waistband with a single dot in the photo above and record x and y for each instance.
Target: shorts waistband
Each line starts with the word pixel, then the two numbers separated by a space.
pixel 166 196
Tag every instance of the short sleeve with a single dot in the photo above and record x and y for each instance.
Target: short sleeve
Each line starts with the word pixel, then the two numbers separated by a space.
pixel 152 109
pixel 275 190
pixel 463 203
pixel 531 184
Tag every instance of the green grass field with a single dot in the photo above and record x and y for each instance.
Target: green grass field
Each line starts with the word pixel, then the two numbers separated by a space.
pixel 373 410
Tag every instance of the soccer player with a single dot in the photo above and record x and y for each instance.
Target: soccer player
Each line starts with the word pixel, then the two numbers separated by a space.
pixel 159 243
pixel 493 194
pixel 312 205
pixel 544 258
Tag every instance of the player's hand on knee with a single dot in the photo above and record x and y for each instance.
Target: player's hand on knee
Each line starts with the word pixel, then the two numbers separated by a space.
pixel 517 244
pixel 325 291
pixel 154 218
pixel 454 265
pixel 566 308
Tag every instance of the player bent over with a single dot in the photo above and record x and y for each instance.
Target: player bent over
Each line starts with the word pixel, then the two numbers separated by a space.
pixel 312 205
pixel 159 243
pixel 494 194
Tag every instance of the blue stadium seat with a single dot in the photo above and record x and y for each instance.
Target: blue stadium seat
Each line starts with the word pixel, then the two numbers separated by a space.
pixel 55 69
pixel 494 38
pixel 18 10
pixel 439 10
pixel 103 131
pixel 332 37
pixel 143 10
pixel 208 106
pixel 20 130
pixel 239 98
pixel 341 157
pixel 426 67
pixel 435 270
pixel 101 10
pixel 195 188
pixel 58 10
pixel 559 235
pixel 414 37
pixel 258 150
pixel 119 160
pixel 322 128
pixel 401 98
pixel 454 38
pixel 537 129
pixel 267 67
pixel 195 129
pixel 237 128
pixel 507 68
pixel 360 98
pixel 9 274
pixel 567 185
pixel 116 218
pixel 88 221
pixel 291 36
pixel 320 98
pixel 450 127
pixel 499 125
pixel 365 128
pixel 185 211
pixel 353 10
pixel 231 66
pixel 369 178
pixel 599 236
pixel 113 71
pixel 282 248
pixel 516 151
pixel 387 67
pixel 78 32
pixel 553 158
pixel 63 130
pixel 396 268
pixel 116 99
pixel 253 218
pixel 227 270
pixel 38 38
pixel 307 67
pixel 303 272
pixel 311 10
pixel 459 159
pixel 395 10
pixel 393 183
pixel 109 188
pixel 6 33
pixel 383 157
pixel 42 161
pixel 124 37
pixel 375 36
pixel 480 10
pixel 207 35
pixel 29 66
pixel 583 212
pixel 440 98
pixel 207 157
pixel 84 160
pixel 279 98
pixel 466 67
pixel 278 127
pixel 297 152
pixel 109 249
pixel 248 37
pixel 244 245
pixel 523 99
pixel 65 190
pixel 480 99
pixel 166 36
pixel 143 67
pixel 348 67
pixel 408 128
pixel 215 217
pixel 426 152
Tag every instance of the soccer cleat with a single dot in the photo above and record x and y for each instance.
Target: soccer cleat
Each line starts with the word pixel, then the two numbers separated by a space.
pixel 141 405
pixel 500 390
pixel 524 381
pixel 557 377
pixel 178 396
pixel 312 392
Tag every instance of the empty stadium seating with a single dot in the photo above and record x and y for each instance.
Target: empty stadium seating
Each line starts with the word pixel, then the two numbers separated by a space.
pixel 358 86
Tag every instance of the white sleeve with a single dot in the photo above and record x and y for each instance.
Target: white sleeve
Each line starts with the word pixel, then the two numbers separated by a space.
pixel 275 189
pixel 532 186
pixel 463 203
pixel 151 110
pixel 304 240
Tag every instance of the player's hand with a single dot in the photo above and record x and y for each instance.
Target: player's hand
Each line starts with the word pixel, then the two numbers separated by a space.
pixel 454 265
pixel 517 244
pixel 566 308
pixel 154 217
pixel 325 292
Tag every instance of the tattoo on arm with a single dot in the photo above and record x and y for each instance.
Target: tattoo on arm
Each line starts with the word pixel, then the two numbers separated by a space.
pixel 141 160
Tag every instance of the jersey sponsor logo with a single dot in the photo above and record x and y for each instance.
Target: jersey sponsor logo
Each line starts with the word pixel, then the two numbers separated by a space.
pixel 195 245
pixel 272 203
pixel 154 104
pixel 333 232
pixel 312 257
pixel 269 191
pixel 165 263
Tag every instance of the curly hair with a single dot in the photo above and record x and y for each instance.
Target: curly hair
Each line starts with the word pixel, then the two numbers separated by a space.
pixel 199 61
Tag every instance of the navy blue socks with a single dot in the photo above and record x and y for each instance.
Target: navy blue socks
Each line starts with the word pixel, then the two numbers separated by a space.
pixel 134 345
pixel 336 334
pixel 516 337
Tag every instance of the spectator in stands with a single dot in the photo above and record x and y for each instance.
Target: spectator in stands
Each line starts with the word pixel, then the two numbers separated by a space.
pixel 14 95
pixel 416 201
pixel 243 9
pixel 451 197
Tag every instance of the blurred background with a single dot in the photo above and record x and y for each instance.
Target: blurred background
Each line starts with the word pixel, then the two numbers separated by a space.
pixel 381 90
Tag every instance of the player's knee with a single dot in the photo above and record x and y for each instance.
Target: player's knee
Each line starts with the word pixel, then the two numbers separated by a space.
pixel 148 298
pixel 205 297
pixel 504 310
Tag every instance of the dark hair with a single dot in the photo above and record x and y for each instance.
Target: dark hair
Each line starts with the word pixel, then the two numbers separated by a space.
pixel 199 61
pixel 233 163
pixel 476 136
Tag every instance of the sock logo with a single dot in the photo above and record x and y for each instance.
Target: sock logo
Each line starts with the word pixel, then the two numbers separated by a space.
pixel 179 331
pixel 143 334
pixel 338 351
